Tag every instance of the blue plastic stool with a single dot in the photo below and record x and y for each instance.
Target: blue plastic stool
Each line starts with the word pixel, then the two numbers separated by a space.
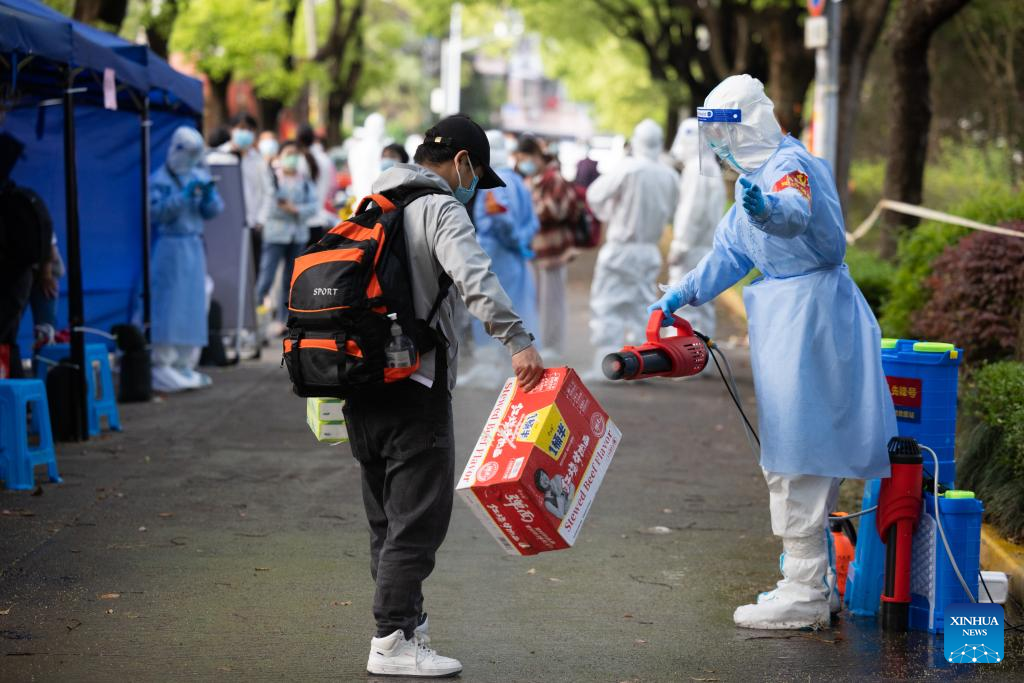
pixel 102 397
pixel 17 458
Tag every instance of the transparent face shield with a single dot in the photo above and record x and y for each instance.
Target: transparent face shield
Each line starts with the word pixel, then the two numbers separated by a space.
pixel 718 131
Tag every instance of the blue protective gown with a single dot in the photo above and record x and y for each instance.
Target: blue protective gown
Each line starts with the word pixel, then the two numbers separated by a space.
pixel 178 268
pixel 505 225
pixel 823 402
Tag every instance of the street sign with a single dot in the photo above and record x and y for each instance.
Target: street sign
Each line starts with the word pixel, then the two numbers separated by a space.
pixel 816 7
pixel 816 33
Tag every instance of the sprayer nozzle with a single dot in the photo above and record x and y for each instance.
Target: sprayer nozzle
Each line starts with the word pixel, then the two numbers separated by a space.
pixel 613 367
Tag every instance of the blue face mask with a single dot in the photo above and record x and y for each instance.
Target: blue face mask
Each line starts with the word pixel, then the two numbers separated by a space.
pixel 464 194
pixel 527 167
pixel 242 138
pixel 386 163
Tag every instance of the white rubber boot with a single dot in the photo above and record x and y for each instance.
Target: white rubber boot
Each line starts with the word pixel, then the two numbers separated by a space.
pixel 396 656
pixel 801 599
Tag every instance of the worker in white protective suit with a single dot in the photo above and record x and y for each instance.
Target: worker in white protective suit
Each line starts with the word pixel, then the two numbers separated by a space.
pixel 824 410
pixel 635 200
pixel 701 205
pixel 364 157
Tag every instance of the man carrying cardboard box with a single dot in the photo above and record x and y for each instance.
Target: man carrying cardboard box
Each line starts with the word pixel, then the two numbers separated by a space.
pixel 404 438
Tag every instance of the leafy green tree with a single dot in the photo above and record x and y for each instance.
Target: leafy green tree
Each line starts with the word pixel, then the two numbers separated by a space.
pixel 235 39
pixel 689 46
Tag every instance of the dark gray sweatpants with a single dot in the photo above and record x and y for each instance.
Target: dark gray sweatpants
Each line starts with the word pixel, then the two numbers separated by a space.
pixel 404 441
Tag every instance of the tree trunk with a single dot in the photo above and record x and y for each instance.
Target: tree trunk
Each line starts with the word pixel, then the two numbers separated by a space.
pixel 216 110
pixel 915 24
pixel 158 29
pixel 110 12
pixel 269 112
pixel 790 66
pixel 862 24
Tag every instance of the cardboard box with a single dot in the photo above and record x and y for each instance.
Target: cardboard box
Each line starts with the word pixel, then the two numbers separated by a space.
pixel 324 429
pixel 538 463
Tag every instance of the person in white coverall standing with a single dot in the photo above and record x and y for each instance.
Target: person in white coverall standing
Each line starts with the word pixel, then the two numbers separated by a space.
pixel 701 206
pixel 635 200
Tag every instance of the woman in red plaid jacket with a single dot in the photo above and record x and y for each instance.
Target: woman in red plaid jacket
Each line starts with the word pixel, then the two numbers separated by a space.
pixel 557 208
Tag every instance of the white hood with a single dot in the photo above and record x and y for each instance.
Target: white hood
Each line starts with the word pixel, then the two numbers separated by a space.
pixel 757 135
pixel 648 140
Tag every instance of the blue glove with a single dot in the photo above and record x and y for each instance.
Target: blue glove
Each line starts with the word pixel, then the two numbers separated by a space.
pixel 208 187
pixel 669 303
pixel 190 189
pixel 754 201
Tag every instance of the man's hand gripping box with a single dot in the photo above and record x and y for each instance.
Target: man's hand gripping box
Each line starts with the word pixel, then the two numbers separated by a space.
pixel 538 463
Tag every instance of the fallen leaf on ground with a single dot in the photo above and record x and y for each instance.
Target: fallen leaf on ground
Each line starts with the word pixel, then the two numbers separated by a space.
pixel 72 624
pixel 656 530
pixel 554 580
pixel 17 512
pixel 142 528
pixel 639 641
pixel 110 596
pixel 165 515
pixel 262 569
pixel 627 616
pixel 110 611
pixel 531 571
pixel 341 603
pixel 667 511
pixel 6 611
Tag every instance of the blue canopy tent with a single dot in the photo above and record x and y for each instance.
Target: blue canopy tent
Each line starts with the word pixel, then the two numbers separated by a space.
pixel 59 80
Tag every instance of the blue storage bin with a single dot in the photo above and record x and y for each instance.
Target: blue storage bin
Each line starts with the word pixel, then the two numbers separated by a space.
pixel 933 583
pixel 923 379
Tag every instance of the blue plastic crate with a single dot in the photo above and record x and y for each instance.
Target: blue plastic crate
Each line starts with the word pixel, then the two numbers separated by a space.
pixel 923 379
pixel 933 583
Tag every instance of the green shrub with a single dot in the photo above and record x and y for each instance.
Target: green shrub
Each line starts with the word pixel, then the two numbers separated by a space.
pixel 977 296
pixel 991 455
pixel 872 274
pixel 919 247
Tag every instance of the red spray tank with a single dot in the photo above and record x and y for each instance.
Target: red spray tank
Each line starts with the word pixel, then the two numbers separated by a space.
pixel 680 356
pixel 899 508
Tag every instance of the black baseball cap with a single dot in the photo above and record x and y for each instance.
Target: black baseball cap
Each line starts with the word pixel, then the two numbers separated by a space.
pixel 459 132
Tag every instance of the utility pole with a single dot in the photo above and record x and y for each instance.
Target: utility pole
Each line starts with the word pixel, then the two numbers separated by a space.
pixel 313 103
pixel 451 63
pixel 822 34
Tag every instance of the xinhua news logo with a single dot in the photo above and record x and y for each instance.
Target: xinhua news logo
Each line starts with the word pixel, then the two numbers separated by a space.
pixel 974 634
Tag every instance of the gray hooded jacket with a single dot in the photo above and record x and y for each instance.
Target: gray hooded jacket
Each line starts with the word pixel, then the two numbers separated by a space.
pixel 441 238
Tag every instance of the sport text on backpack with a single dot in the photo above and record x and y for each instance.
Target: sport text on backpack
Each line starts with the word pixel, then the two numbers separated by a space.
pixel 343 289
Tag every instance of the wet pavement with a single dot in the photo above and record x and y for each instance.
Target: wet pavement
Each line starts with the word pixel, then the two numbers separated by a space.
pixel 214 539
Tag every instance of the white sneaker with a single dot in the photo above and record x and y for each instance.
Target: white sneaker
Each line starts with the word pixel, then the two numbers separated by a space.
pixel 396 656
pixel 420 633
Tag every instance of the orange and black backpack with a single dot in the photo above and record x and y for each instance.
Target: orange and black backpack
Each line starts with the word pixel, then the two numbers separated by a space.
pixel 342 290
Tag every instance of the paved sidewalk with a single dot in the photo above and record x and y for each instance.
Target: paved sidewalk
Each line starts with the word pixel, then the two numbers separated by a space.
pixel 215 540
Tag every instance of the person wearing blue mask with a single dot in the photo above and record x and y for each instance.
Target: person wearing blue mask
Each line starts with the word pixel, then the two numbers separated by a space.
pixel 391 155
pixel 824 410
pixel 181 196
pixel 505 225
pixel 257 183
pixel 404 439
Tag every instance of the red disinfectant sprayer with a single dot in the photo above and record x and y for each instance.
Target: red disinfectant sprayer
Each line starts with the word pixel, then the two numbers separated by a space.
pixel 680 356
pixel 899 507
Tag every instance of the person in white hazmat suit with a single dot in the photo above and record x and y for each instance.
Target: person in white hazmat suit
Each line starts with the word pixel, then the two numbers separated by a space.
pixel 635 200
pixel 364 157
pixel 824 410
pixel 701 205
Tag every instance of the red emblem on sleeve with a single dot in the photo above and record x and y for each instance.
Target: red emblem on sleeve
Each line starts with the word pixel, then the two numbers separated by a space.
pixel 796 180
pixel 492 205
